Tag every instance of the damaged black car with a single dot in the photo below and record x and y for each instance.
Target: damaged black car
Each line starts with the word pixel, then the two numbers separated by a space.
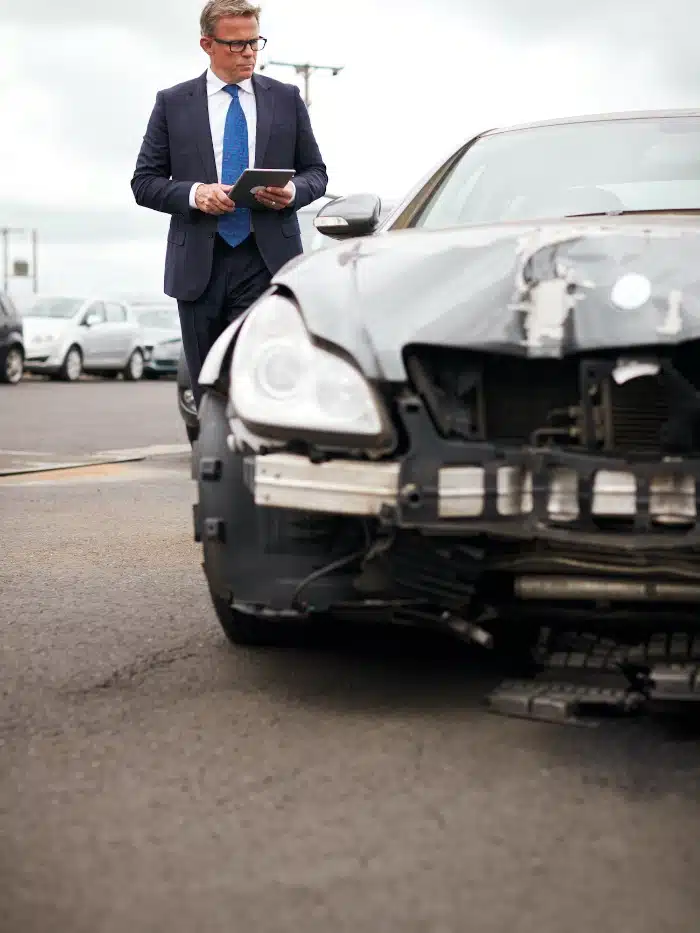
pixel 482 413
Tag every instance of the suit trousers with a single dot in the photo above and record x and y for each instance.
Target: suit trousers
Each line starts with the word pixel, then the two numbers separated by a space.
pixel 239 276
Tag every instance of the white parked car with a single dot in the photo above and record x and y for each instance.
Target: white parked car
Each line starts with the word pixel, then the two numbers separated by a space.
pixel 162 338
pixel 66 336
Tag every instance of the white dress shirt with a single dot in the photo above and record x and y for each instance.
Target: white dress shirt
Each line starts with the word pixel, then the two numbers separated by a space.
pixel 218 101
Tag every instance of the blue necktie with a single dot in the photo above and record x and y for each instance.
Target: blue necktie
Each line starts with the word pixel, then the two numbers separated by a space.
pixel 235 227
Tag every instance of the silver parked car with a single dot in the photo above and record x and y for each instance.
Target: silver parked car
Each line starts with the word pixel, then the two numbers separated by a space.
pixel 162 338
pixel 66 336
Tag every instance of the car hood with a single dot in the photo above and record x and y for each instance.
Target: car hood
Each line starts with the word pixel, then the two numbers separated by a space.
pixel 546 289
pixel 44 328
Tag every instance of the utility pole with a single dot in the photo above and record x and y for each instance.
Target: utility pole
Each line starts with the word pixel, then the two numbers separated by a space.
pixel 306 70
pixel 21 266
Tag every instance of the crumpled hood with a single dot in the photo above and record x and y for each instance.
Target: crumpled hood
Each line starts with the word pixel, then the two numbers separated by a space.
pixel 534 290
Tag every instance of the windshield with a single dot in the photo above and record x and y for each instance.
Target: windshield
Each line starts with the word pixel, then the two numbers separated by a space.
pixel 54 307
pixel 640 164
pixel 165 318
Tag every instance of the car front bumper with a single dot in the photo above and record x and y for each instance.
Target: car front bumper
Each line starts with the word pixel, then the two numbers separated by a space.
pixel 161 367
pixel 464 493
pixel 453 487
pixel 43 359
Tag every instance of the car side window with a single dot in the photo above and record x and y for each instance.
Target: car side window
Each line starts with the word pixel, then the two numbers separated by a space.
pixel 96 309
pixel 116 313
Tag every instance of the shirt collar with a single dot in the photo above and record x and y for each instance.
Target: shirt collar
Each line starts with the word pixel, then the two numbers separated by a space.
pixel 214 84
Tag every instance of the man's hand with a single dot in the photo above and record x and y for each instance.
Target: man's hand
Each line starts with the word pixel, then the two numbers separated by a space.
pixel 213 199
pixel 277 198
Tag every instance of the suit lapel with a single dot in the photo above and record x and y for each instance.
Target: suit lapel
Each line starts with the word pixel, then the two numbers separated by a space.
pixel 201 130
pixel 264 105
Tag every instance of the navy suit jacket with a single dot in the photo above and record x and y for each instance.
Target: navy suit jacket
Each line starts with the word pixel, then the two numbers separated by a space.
pixel 177 151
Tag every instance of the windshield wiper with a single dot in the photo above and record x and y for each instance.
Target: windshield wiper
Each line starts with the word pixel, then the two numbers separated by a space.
pixel 625 213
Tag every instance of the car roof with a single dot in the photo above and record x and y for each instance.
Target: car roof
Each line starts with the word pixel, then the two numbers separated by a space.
pixel 597 118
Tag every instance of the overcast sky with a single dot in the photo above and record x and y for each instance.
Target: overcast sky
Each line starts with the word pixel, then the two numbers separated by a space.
pixel 78 79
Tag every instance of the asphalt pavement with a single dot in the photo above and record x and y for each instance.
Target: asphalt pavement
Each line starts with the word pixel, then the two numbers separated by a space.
pixel 153 778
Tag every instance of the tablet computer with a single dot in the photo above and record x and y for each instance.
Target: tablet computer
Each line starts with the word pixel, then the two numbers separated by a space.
pixel 252 179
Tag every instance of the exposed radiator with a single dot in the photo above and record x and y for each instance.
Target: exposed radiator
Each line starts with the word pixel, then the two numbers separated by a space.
pixel 512 400
pixel 638 412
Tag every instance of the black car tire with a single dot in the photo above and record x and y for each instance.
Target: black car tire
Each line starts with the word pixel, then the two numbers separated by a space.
pixel 192 433
pixel 11 365
pixel 67 372
pixel 227 500
pixel 130 373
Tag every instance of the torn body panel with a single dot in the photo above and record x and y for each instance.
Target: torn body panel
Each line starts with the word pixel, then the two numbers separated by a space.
pixel 529 290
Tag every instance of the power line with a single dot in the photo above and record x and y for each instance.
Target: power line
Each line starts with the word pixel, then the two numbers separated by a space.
pixel 306 70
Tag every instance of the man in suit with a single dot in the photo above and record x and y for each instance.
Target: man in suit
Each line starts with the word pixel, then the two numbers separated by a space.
pixel 201 135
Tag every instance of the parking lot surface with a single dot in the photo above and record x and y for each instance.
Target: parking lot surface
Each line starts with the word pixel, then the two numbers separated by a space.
pixel 153 778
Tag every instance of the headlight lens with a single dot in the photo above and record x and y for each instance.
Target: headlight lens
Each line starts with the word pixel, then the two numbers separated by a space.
pixel 279 378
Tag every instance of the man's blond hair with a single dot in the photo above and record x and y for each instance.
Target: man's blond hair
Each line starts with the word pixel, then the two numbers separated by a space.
pixel 215 9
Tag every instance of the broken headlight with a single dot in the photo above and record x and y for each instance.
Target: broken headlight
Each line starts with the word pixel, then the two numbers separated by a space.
pixel 281 379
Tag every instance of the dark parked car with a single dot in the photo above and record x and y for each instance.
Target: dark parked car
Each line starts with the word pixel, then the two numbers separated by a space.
pixel 481 416
pixel 11 342
pixel 185 400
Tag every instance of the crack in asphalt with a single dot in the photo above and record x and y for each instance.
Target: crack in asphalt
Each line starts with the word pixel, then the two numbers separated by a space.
pixel 139 668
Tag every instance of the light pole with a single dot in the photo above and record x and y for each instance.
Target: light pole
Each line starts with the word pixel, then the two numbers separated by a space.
pixel 306 70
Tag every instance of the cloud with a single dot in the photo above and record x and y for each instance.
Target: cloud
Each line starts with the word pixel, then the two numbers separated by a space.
pixel 419 78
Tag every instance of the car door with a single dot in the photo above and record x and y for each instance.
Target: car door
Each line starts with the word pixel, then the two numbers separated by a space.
pixel 93 337
pixel 120 332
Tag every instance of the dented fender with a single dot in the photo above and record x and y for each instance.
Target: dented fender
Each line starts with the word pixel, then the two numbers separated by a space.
pixel 216 358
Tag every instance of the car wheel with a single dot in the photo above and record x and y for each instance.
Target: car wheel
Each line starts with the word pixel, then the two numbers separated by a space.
pixel 133 371
pixel 11 365
pixel 192 433
pixel 72 366
pixel 225 500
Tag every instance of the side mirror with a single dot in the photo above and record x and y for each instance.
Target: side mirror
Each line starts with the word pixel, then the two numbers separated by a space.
pixel 91 319
pixel 344 218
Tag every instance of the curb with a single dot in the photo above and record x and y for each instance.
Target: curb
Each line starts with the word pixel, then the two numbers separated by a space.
pixel 56 467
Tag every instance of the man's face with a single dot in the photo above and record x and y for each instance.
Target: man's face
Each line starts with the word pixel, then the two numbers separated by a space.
pixel 232 66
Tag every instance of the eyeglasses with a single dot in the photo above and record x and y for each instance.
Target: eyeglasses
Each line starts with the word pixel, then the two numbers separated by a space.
pixel 239 45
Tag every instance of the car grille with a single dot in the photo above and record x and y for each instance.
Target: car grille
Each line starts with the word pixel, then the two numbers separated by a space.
pixel 514 401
